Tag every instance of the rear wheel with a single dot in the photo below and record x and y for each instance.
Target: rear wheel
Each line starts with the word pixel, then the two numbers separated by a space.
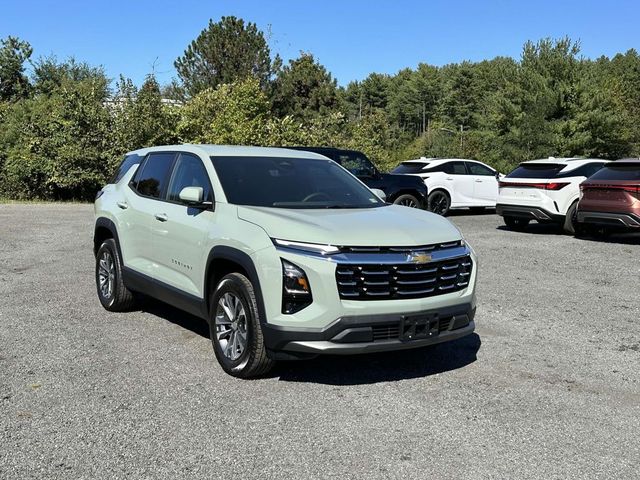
pixel 570 225
pixel 112 292
pixel 439 202
pixel 407 200
pixel 234 327
pixel 516 223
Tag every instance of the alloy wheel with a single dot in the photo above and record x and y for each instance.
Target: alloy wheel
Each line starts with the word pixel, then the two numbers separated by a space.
pixel 231 326
pixel 106 274
pixel 408 202
pixel 438 203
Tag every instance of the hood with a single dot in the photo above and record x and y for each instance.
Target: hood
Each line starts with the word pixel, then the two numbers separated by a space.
pixel 391 225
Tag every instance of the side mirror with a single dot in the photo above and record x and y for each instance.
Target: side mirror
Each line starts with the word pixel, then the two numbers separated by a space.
pixel 380 194
pixel 192 195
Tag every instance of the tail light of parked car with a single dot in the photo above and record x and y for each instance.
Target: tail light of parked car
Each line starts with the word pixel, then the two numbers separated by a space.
pixel 541 186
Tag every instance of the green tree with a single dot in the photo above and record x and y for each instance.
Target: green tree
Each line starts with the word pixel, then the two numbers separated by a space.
pixel 224 52
pixel 304 89
pixel 14 83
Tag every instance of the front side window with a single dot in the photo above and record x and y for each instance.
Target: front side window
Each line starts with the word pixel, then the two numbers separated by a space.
pixel 291 183
pixel 478 169
pixel 151 180
pixel 189 172
pixel 357 164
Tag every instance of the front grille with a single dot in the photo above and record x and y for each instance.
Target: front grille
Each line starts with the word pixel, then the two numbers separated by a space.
pixel 422 248
pixel 384 282
pixel 391 331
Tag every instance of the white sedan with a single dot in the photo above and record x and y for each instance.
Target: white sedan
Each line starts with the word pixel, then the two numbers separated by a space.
pixel 454 182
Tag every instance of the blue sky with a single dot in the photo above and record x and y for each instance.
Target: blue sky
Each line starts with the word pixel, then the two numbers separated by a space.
pixel 351 38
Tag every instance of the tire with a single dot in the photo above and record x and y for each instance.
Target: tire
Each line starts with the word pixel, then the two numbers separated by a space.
pixel 407 200
pixel 234 311
pixel 112 292
pixel 516 223
pixel 477 209
pixel 439 202
pixel 570 225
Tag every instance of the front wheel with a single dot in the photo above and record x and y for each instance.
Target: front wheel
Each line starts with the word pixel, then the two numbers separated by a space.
pixel 515 223
pixel 112 292
pixel 407 200
pixel 234 328
pixel 439 202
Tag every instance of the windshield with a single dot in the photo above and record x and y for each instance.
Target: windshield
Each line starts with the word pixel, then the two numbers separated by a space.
pixel 410 167
pixel 291 183
pixel 622 171
pixel 536 170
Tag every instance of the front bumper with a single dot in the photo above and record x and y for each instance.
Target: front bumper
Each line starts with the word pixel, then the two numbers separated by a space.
pixel 528 212
pixel 615 219
pixel 374 333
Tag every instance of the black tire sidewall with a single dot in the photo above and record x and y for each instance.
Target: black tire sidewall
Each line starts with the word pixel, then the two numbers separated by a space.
pixel 446 196
pixel 232 284
pixel 406 195
pixel 110 246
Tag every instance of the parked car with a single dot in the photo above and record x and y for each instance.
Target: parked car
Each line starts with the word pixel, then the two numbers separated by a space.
pixel 285 253
pixel 454 183
pixel 398 189
pixel 610 199
pixel 545 190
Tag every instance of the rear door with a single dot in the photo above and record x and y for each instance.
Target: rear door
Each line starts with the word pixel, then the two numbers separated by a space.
pixel 459 183
pixel 139 200
pixel 485 184
pixel 179 230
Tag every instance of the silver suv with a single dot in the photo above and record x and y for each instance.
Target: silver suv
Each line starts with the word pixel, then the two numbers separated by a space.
pixel 285 254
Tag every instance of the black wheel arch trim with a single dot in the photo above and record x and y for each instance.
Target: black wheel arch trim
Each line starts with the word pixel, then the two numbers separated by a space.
pixel 223 252
pixel 102 222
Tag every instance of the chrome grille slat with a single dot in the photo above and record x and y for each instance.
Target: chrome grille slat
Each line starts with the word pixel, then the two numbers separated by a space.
pixel 373 281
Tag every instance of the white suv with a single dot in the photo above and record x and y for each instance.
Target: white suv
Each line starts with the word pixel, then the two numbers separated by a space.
pixel 545 190
pixel 285 253
pixel 454 183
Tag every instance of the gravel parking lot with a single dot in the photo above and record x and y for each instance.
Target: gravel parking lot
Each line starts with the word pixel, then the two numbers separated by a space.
pixel 549 387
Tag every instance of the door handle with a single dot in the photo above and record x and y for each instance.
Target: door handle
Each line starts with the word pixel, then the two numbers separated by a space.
pixel 161 217
pixel 449 178
pixel 122 205
pixel 478 180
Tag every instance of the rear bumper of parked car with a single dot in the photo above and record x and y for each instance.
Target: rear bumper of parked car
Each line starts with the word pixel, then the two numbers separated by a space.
pixel 375 333
pixel 615 219
pixel 528 212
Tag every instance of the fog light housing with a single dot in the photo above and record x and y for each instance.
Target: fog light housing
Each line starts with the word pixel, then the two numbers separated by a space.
pixel 296 291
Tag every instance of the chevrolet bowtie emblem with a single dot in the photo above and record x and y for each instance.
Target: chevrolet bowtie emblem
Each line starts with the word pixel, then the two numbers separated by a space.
pixel 419 257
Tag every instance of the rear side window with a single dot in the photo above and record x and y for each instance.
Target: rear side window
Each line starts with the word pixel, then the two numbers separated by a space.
pixel 536 170
pixel 128 162
pixel 454 168
pixel 409 167
pixel 628 171
pixel 151 179
pixel 189 172
pixel 477 169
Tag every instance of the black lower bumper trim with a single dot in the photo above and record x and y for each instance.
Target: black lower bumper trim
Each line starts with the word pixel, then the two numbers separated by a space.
pixel 354 334
pixel 627 220
pixel 531 213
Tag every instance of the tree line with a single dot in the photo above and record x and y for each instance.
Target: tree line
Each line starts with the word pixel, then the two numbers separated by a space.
pixel 66 125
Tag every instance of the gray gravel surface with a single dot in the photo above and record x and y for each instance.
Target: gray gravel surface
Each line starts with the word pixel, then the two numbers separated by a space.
pixel 549 387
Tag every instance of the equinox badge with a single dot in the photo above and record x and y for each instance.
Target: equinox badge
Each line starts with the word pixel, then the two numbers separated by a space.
pixel 419 257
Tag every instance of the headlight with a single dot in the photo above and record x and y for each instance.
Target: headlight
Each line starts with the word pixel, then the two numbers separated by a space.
pixel 306 247
pixel 296 291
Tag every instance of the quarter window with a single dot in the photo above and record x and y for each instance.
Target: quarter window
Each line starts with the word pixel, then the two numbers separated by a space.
pixel 454 168
pixel 189 172
pixel 151 180
pixel 128 162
